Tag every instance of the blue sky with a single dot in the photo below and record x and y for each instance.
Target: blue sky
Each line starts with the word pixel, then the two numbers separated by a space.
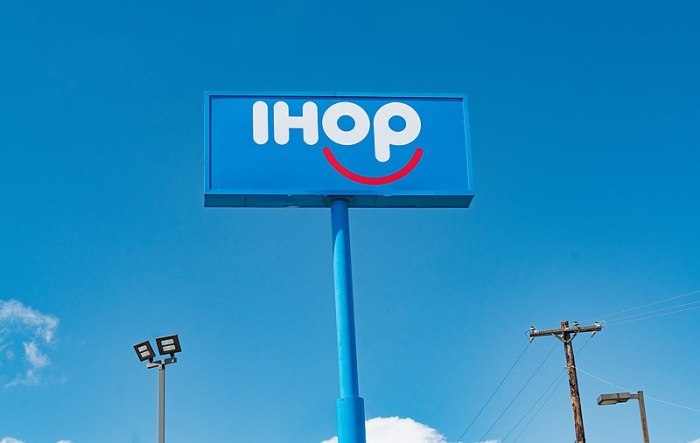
pixel 584 120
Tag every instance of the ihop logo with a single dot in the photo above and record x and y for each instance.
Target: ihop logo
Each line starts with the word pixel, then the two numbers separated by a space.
pixel 384 136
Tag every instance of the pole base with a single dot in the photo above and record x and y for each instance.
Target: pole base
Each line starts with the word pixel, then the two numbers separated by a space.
pixel 350 414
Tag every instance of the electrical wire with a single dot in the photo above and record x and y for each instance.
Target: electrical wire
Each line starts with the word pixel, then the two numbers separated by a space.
pixel 671 404
pixel 657 313
pixel 607 317
pixel 519 392
pixel 560 378
pixel 557 378
pixel 604 381
pixel 495 390
pixel 645 395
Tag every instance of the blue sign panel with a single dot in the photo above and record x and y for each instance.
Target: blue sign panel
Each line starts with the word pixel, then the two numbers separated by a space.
pixel 303 150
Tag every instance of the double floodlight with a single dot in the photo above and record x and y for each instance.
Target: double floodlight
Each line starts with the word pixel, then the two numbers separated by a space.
pixel 168 345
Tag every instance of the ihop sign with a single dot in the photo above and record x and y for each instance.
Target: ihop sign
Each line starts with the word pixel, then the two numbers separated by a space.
pixel 302 150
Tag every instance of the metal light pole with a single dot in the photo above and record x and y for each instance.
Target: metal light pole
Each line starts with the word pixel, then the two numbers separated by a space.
pixel 622 397
pixel 168 345
pixel 161 393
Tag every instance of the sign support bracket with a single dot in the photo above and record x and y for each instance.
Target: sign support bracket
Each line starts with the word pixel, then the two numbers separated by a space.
pixel 350 409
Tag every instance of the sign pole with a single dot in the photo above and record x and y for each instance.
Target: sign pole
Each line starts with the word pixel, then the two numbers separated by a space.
pixel 350 409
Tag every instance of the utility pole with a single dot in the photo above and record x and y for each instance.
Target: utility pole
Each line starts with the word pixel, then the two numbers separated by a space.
pixel 566 335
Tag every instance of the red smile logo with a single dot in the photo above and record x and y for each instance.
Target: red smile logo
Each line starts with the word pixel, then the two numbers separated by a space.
pixel 375 181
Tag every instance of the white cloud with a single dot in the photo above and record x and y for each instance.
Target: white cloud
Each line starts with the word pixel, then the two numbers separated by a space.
pixel 398 430
pixel 34 330
pixel 42 325
pixel 34 356
pixel 14 440
pixel 694 441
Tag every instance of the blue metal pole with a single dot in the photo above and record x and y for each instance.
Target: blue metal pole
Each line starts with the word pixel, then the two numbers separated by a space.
pixel 350 408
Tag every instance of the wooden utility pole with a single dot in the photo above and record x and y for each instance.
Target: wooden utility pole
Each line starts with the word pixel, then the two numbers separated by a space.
pixel 566 335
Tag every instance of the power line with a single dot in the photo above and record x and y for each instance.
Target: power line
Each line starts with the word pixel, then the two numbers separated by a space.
pixel 557 378
pixel 495 390
pixel 519 392
pixel 672 404
pixel 655 314
pixel 561 379
pixel 604 381
pixel 645 396
pixel 635 308
pixel 653 311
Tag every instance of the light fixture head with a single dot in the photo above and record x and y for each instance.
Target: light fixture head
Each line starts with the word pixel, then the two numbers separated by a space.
pixel 611 399
pixel 144 351
pixel 168 345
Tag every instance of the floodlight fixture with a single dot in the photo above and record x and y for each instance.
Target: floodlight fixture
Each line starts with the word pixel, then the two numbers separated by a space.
pixel 168 345
pixel 144 351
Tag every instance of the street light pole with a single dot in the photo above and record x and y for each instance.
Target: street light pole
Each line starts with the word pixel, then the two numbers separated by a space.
pixel 161 393
pixel 161 404
pixel 169 345
pixel 643 415
pixel 622 397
